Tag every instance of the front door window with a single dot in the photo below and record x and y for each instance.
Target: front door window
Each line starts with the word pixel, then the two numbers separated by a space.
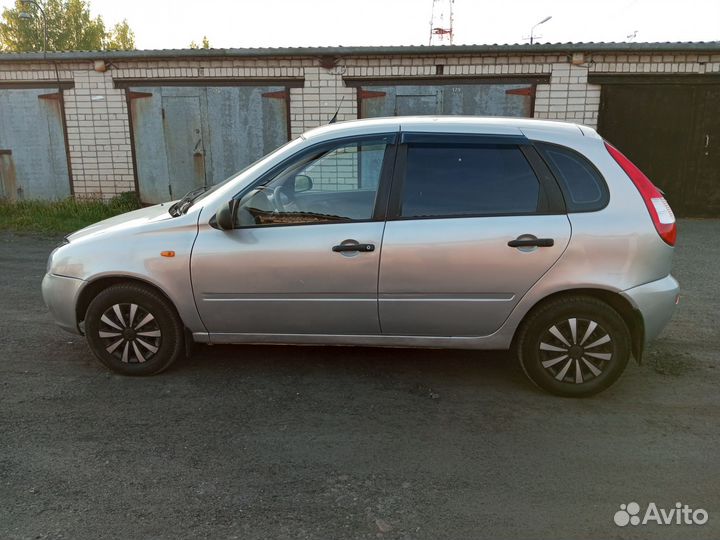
pixel 332 186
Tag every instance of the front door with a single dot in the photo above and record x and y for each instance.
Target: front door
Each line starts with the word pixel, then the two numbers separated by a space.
pixel 304 256
pixel 447 268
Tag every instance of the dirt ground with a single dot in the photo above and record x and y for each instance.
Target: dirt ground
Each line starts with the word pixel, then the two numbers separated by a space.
pixel 331 443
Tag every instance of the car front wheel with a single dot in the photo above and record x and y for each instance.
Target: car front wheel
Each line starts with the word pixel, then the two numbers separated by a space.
pixel 133 330
pixel 574 346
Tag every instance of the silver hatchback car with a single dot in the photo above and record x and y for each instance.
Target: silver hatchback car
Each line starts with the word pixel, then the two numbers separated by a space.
pixel 468 233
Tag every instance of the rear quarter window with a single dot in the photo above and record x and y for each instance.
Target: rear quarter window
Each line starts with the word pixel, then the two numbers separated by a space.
pixel 582 185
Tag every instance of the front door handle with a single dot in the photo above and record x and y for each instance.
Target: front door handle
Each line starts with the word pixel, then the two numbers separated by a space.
pixel 354 247
pixel 531 242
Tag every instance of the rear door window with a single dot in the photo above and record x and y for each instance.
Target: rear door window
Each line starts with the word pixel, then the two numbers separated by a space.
pixel 468 180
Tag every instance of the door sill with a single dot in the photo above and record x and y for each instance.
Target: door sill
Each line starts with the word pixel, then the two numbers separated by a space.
pixel 493 341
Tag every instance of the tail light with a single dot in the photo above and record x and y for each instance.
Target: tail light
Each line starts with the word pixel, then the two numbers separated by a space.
pixel 660 211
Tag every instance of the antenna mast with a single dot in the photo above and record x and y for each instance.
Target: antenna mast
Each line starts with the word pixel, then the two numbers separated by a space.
pixel 441 22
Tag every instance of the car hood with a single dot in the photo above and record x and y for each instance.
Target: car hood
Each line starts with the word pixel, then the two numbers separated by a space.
pixel 129 220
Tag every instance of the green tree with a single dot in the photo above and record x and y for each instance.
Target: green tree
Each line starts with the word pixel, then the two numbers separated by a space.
pixel 205 44
pixel 70 26
pixel 120 38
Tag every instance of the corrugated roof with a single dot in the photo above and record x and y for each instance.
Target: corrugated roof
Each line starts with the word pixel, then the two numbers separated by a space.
pixel 514 48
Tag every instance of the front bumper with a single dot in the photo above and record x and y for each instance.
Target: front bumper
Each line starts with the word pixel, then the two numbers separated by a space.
pixel 60 295
pixel 656 302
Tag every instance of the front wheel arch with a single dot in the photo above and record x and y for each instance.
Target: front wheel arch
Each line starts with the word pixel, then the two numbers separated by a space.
pixel 134 330
pixel 93 288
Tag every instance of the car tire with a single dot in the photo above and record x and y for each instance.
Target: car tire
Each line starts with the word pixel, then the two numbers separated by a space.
pixel 575 346
pixel 134 330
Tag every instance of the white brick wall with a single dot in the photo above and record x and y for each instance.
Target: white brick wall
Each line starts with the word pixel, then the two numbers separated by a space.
pixel 323 93
pixel 97 116
pixel 568 96
pixel 98 136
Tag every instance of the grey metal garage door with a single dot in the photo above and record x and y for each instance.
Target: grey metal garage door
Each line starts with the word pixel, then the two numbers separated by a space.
pixel 455 99
pixel 33 160
pixel 188 137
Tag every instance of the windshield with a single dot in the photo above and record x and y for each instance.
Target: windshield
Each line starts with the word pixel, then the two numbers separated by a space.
pixel 198 194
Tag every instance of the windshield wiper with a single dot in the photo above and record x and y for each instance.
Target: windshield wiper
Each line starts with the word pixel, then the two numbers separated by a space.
pixel 183 204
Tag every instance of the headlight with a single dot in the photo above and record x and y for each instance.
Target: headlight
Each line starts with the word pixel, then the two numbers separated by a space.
pixel 64 242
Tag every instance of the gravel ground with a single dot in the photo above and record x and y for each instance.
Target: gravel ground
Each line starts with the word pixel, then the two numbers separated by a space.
pixel 331 443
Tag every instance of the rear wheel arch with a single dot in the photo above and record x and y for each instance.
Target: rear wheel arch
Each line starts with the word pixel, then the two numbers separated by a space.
pixel 632 317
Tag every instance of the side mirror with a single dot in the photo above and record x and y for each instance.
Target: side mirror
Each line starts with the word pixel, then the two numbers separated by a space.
pixel 302 183
pixel 225 216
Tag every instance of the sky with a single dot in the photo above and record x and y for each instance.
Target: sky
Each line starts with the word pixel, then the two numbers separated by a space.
pixel 160 24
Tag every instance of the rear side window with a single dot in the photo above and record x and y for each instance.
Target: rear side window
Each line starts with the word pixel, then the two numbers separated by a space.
pixel 582 185
pixel 450 181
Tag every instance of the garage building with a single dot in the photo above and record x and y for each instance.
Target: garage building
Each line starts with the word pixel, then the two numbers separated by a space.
pixel 97 124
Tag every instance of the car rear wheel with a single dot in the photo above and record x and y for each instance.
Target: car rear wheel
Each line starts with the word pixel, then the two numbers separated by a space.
pixel 133 330
pixel 574 346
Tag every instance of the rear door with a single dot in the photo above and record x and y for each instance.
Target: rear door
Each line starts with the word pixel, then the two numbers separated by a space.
pixel 450 265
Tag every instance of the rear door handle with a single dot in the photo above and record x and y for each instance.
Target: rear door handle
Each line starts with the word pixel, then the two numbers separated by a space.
pixel 531 242
pixel 354 247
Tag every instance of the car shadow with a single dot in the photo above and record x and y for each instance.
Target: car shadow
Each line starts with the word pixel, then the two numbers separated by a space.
pixel 423 367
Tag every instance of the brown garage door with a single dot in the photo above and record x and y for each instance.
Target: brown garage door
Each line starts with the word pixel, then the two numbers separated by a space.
pixel 672 132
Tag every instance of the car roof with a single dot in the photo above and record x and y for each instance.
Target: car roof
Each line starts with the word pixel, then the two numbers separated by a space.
pixel 490 125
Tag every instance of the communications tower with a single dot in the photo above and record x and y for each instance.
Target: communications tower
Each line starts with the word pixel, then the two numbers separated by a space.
pixel 441 22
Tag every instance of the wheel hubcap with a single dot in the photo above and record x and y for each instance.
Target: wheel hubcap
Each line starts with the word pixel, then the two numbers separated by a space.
pixel 130 333
pixel 576 350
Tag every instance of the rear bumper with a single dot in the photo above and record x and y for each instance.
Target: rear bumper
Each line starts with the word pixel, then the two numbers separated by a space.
pixel 60 295
pixel 656 302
